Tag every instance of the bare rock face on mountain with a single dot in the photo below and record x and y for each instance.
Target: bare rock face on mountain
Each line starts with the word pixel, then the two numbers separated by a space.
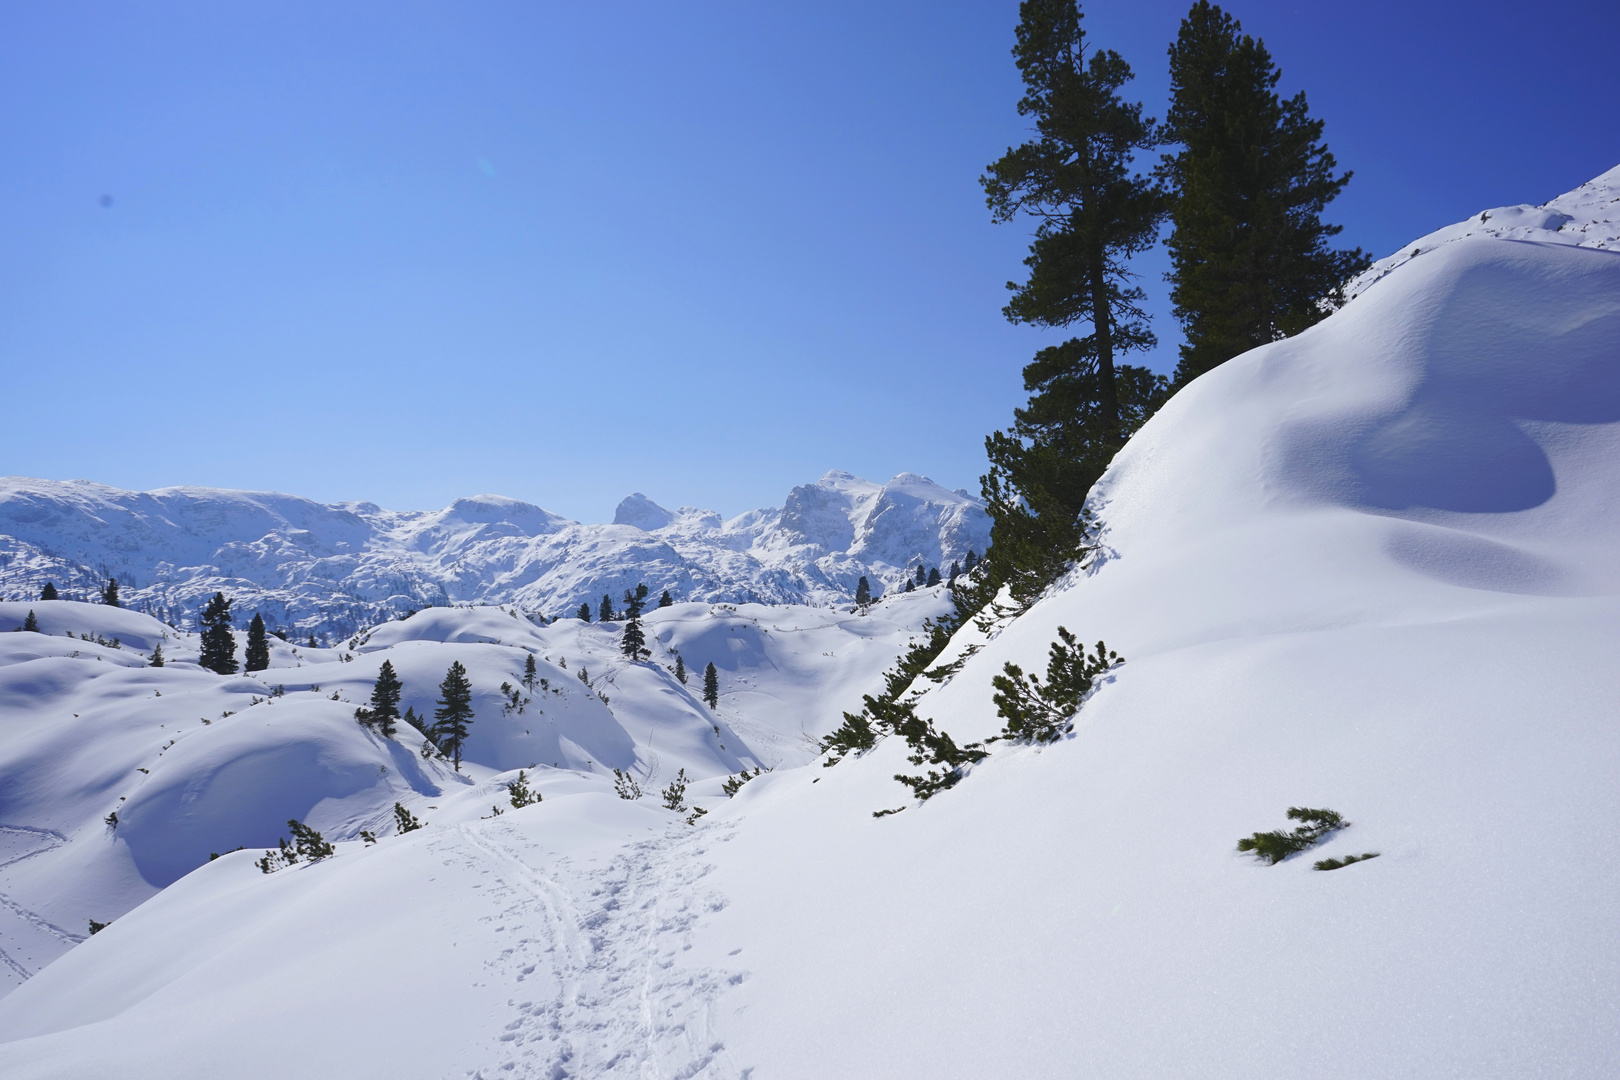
pixel 309 567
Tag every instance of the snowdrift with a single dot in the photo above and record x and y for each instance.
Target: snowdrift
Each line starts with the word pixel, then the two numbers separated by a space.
pixel 1368 568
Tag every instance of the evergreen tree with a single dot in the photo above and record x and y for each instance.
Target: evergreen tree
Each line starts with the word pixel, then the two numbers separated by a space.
pixel 109 595
pixel 531 674
pixel 218 643
pixel 454 712
pixel 312 642
pixel 383 710
pixel 970 562
pixel 863 592
pixel 641 592
pixel 1093 214
pixel 584 613
pixel 933 575
pixel 1248 248
pixel 680 668
pixel 910 586
pixel 711 686
pixel 48 592
pixel 956 570
pixel 257 655
pixel 920 576
pixel 156 659
pixel 665 600
pixel 30 623
pixel 634 642
pixel 605 612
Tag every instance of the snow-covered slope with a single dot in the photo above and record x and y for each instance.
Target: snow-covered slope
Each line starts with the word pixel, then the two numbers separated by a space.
pixel 194 764
pixel 332 570
pixel 1369 568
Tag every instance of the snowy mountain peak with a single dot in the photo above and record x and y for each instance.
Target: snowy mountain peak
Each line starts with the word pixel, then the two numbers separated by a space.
pixel 638 510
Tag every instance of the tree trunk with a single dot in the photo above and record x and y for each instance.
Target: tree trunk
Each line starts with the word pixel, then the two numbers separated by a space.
pixel 1103 331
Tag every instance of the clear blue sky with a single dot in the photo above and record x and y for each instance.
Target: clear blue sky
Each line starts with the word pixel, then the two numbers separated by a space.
pixel 407 251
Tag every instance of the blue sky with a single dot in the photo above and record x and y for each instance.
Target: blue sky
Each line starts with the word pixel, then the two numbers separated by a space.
pixel 409 251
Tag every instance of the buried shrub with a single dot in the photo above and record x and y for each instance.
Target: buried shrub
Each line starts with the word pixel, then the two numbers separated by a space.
pixel 1273 847
pixel 1335 864
pixel 521 794
pixel 1040 713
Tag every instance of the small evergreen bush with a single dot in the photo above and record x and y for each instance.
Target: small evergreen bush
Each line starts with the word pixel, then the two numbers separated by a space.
pixel 519 791
pixel 675 794
pixel 625 786
pixel 1336 864
pixel 1043 713
pixel 30 623
pixel 734 784
pixel 1273 847
pixel 404 820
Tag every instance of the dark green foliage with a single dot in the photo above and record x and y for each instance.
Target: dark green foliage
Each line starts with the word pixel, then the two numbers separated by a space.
pixel 921 575
pixel 665 600
pixel 453 714
pixel 625 786
pixel 584 613
pixel 312 643
pixel 711 686
pixel 1337 864
pixel 734 784
pixel 309 843
pixel 519 791
pixel 156 659
pixel 680 668
pixel 30 623
pixel 530 672
pixel 1248 249
pixel 109 594
pixel 1042 713
pixel 641 591
pixel 933 575
pixel 1273 847
pixel 970 562
pixel 256 657
pixel 218 643
pixel 404 820
pixel 605 612
pixel 863 592
pixel 368 836
pixel 383 711
pixel 634 642
pixel 417 722
pixel 96 927
pixel 48 592
pixel 675 794
pixel 278 858
pixel 956 571
pixel 910 586
pixel 1092 215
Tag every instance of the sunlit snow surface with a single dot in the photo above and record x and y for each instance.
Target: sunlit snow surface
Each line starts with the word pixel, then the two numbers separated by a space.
pixel 1370 568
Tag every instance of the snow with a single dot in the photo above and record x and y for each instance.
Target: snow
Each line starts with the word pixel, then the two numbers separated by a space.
pixel 1369 568
pixel 333 570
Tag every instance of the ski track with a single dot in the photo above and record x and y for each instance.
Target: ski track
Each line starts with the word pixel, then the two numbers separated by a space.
pixel 609 937
pixel 50 840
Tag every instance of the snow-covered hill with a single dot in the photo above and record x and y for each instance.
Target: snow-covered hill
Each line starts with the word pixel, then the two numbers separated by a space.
pixel 332 570
pixel 1369 568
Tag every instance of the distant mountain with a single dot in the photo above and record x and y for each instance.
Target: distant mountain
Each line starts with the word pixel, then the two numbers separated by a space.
pixel 331 569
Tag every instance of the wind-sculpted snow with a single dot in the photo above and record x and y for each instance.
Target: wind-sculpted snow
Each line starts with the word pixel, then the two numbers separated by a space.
pixel 333 570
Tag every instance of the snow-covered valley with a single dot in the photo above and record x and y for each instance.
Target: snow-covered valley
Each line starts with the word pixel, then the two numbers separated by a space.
pixel 1368 568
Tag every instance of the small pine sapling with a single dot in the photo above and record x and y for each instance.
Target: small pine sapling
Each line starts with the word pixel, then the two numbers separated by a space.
pixel 309 843
pixel 697 812
pixel 96 927
pixel 156 659
pixel 666 600
pixel 734 784
pixel 675 794
pixel 1272 848
pixel 368 836
pixel 711 686
pixel 1043 713
pixel 404 820
pixel 625 786
pixel 680 668
pixel 1337 864
pixel 30 623
pixel 520 793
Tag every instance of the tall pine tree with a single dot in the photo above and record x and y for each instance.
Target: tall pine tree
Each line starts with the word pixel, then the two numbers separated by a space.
pixel 48 592
pixel 1249 256
pixel 256 657
pixel 1093 213
pixel 30 623
pixel 634 642
pixel 218 643
pixel 109 594
pixel 605 612
pixel 863 592
pixel 711 686
pixel 382 713
pixel 454 712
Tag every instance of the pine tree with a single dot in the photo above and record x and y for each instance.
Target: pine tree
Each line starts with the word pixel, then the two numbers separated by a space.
pixel 1248 248
pixel 48 592
pixel 920 576
pixel 109 595
pixel 641 591
pixel 383 710
pixel 680 668
pixel 156 659
pixel 454 712
pixel 863 592
pixel 531 674
pixel 675 794
pixel 256 657
pixel 956 571
pixel 1093 214
pixel 218 643
pixel 584 613
pixel 634 642
pixel 312 642
pixel 30 623
pixel 605 612
pixel 711 686
pixel 665 600
pixel 933 575
pixel 970 561
pixel 910 586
